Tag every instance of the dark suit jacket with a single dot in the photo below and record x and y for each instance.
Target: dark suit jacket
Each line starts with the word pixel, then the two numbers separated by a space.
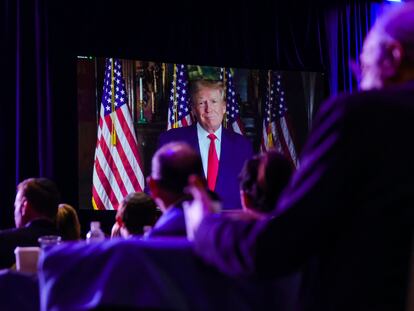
pixel 26 236
pixel 170 224
pixel 235 150
pixel 349 209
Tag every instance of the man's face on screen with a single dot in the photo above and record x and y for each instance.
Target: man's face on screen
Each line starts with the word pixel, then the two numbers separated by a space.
pixel 209 108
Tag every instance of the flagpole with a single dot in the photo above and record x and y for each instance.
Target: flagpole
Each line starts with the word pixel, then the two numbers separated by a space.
pixel 224 97
pixel 175 124
pixel 270 143
pixel 113 132
pixel 154 92
pixel 142 119
pixel 163 77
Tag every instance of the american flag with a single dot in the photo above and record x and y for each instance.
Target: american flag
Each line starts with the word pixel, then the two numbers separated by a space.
pixel 276 133
pixel 179 109
pixel 233 120
pixel 117 168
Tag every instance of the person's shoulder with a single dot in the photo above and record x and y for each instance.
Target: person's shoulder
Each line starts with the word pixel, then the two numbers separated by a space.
pixel 177 134
pixel 183 129
pixel 240 141
pixel 336 107
pixel 358 108
pixel 171 223
pixel 390 97
pixel 14 234
pixel 41 224
pixel 9 232
pixel 235 136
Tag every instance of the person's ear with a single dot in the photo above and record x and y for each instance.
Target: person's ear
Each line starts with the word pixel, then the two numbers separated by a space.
pixel 26 208
pixel 153 186
pixel 393 56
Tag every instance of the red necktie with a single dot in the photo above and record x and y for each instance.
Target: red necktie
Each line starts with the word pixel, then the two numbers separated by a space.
pixel 213 163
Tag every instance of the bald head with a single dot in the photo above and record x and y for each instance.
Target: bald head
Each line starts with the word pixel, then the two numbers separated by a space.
pixel 399 25
pixel 388 52
pixel 173 163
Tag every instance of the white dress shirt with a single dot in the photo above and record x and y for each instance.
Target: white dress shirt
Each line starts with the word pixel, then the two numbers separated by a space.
pixel 204 144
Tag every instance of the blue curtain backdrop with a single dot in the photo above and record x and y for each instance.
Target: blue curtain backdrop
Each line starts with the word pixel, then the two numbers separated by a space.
pixel 41 39
pixel 346 27
pixel 38 120
pixel 26 126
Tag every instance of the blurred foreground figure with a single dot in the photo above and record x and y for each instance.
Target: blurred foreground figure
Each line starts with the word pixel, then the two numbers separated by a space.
pixel 350 206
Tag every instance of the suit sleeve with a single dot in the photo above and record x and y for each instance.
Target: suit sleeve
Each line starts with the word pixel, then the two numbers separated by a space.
pixel 162 139
pixel 7 246
pixel 310 208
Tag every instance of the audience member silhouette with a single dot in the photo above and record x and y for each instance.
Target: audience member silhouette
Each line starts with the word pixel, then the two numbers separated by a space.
pixel 349 206
pixel 172 165
pixel 262 180
pixel 35 210
pixel 67 223
pixel 136 214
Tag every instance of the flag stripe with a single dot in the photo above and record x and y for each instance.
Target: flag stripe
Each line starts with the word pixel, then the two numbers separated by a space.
pixel 129 142
pixel 109 170
pixel 97 200
pixel 276 131
pixel 110 153
pixel 232 116
pixel 129 134
pixel 288 139
pixel 282 144
pixel 106 184
pixel 129 176
pixel 179 109
pixel 101 194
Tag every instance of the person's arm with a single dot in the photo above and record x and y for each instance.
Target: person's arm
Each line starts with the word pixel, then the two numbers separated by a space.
pixel 116 231
pixel 307 215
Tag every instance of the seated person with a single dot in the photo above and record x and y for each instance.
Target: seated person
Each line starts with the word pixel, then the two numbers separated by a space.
pixel 67 223
pixel 35 210
pixel 172 164
pixel 136 214
pixel 262 180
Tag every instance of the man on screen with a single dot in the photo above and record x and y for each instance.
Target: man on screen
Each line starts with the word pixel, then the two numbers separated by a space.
pixel 222 151
pixel 349 208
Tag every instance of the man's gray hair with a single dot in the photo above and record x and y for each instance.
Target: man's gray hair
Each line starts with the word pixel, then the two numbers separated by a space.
pixel 196 85
pixel 397 24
